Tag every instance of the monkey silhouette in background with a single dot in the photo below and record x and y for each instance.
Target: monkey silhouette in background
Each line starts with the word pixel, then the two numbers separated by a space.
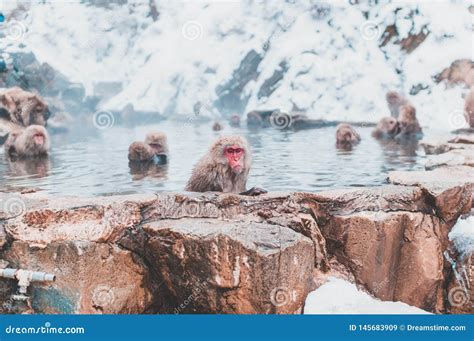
pixel 224 168
pixel 469 107
pixel 346 136
pixel 395 100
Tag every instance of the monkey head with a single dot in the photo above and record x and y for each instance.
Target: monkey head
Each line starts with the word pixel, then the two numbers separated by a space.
pixel 346 135
pixel 33 141
pixel 232 151
pixel 393 97
pixel 24 108
pixel 139 151
pixel 387 127
pixel 407 120
pixel 234 120
pixel 157 141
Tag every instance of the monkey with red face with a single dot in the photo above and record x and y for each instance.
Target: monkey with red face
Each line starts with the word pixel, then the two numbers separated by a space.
pixel 224 168
pixel 30 142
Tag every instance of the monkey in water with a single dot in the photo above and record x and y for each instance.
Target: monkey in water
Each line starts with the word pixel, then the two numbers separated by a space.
pixel 395 101
pixel 155 148
pixel 234 121
pixel 32 141
pixel 388 127
pixel 346 136
pixel 408 123
pixel 217 126
pixel 469 107
pixel 224 168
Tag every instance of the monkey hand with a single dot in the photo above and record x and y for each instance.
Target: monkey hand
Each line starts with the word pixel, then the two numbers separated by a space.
pixel 254 191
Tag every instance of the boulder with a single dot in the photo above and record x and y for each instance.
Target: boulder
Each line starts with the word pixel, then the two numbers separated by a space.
pixel 229 267
pixel 226 253
pixel 454 157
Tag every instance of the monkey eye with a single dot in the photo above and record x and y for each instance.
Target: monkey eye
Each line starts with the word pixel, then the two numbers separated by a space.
pixel 234 150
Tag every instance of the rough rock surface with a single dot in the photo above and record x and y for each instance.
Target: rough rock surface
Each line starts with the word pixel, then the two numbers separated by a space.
pixel 225 253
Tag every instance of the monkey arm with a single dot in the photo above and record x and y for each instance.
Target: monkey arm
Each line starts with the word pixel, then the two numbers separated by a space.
pixel 254 191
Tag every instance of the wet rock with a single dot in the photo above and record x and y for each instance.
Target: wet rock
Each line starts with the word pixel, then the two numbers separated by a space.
pixel 463 139
pixel 396 255
pixel 455 157
pixel 91 278
pixel 237 267
pixel 226 253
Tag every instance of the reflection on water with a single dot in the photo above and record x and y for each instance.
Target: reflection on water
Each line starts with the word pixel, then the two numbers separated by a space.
pixel 94 162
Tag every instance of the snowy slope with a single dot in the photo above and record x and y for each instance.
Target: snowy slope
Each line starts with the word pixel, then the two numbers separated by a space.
pixel 335 68
pixel 340 297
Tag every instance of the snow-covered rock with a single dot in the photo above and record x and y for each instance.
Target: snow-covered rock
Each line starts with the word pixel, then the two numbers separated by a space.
pixel 338 296
pixel 324 59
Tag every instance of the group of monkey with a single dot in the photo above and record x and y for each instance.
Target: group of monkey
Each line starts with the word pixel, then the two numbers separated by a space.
pixel 225 167
pixel 402 124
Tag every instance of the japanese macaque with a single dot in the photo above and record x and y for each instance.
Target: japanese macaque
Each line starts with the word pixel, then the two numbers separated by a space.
pixel 217 126
pixel 388 127
pixel 395 101
pixel 33 141
pixel 23 108
pixel 346 136
pixel 469 108
pixel 9 145
pixel 159 144
pixel 224 168
pixel 234 120
pixel 155 148
pixel 408 123
pixel 140 151
pixel 259 118
pixel 460 71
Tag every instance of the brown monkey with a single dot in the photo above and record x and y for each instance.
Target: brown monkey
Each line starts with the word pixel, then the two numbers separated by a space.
pixel 346 136
pixel 224 168
pixel 159 144
pixel 469 107
pixel 30 142
pixel 140 151
pixel 217 126
pixel 460 71
pixel 24 108
pixel 9 144
pixel 154 148
pixel 395 101
pixel 408 123
pixel 388 127
pixel 234 120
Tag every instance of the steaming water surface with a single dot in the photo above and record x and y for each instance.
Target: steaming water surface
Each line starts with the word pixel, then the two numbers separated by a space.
pixel 94 162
